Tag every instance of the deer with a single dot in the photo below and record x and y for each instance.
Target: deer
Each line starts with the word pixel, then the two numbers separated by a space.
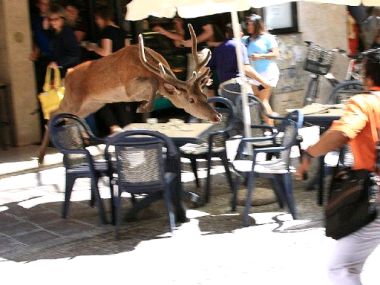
pixel 135 74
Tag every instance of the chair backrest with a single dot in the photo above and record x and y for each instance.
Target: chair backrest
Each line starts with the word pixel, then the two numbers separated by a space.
pixel 256 111
pixel 288 129
pixel 230 90
pixel 68 134
pixel 343 92
pixel 226 109
pixel 139 160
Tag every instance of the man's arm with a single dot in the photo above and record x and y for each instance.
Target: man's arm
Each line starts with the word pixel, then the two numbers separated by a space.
pixel 330 140
pixel 205 36
pixel 166 33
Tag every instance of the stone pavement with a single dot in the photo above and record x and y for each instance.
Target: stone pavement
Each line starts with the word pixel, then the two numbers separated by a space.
pixel 38 247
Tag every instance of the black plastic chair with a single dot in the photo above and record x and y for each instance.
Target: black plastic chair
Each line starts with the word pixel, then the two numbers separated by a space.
pixel 71 136
pixel 139 165
pixel 278 170
pixel 260 129
pixel 213 144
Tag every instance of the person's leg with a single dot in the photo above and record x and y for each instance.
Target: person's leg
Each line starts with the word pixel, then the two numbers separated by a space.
pixel 123 113
pixel 264 96
pixel 107 119
pixel 351 252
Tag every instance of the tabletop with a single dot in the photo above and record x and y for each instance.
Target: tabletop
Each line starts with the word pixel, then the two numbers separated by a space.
pixel 184 132
pixel 321 114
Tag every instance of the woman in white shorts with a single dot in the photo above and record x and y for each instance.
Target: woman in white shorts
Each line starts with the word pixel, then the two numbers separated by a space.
pixel 262 50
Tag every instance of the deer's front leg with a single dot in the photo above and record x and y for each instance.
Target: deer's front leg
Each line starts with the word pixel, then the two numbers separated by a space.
pixel 143 90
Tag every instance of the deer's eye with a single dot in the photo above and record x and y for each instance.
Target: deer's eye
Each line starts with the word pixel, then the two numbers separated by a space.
pixel 191 100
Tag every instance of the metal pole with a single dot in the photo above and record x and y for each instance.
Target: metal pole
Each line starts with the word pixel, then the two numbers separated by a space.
pixel 244 91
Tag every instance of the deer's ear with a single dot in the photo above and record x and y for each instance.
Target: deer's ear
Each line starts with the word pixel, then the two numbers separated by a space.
pixel 170 89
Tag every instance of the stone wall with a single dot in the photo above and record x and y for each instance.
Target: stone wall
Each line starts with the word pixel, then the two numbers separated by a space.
pixel 17 71
pixel 324 24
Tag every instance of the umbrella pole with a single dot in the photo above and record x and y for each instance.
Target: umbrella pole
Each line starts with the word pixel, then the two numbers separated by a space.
pixel 243 85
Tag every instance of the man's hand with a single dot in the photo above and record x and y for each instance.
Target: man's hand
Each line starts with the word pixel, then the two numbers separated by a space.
pixel 303 168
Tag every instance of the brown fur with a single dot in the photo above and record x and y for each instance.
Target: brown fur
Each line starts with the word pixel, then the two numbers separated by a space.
pixel 121 77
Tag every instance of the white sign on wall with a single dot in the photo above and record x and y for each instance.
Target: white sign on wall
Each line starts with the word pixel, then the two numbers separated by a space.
pixel 278 16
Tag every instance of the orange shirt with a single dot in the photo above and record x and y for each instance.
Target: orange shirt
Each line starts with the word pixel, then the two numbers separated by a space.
pixel 359 123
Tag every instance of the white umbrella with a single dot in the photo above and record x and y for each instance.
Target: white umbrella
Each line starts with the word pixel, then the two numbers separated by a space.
pixel 141 9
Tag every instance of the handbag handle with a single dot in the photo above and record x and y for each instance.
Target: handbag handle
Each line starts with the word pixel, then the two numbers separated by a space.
pixel 57 78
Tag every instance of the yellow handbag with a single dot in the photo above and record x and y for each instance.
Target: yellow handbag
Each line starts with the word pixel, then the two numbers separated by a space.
pixel 53 94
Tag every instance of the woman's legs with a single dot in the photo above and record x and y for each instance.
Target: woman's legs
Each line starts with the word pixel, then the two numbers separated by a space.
pixel 351 252
pixel 264 96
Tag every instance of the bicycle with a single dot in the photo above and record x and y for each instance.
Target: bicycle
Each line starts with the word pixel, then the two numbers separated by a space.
pixel 353 84
pixel 319 62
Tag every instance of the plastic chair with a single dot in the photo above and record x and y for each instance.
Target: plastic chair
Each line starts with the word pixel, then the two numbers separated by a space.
pixel 278 170
pixel 140 166
pixel 260 129
pixel 71 135
pixel 214 144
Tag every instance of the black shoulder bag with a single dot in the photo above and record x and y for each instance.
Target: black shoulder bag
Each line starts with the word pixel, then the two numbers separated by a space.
pixel 352 198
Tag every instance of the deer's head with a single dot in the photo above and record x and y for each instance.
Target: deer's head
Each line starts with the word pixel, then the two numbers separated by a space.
pixel 189 94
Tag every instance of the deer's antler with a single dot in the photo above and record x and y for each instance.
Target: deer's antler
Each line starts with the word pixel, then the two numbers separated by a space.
pixel 201 73
pixel 160 69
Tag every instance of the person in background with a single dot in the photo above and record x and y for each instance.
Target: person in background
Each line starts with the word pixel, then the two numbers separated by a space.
pixel 262 50
pixel 224 62
pixel 64 45
pixel 370 26
pixel 376 42
pixel 203 30
pixel 41 52
pixel 74 20
pixel 361 115
pixel 114 116
pixel 112 37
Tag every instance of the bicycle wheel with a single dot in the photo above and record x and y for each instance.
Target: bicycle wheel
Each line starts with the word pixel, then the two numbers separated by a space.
pixel 344 91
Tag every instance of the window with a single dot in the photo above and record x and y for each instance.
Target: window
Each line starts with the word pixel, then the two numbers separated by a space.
pixel 281 19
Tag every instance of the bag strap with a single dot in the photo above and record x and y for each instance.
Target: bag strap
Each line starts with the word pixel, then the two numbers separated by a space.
pixel 57 79
pixel 47 83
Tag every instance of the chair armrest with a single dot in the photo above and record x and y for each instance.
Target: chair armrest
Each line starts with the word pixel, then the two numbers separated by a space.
pixel 264 127
pixel 95 141
pixel 257 139
pixel 269 149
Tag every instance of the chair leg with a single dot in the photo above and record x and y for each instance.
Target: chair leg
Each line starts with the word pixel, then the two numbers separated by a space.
pixel 92 199
pixel 300 150
pixel 235 192
pixel 98 199
pixel 277 187
pixel 117 206
pixel 194 168
pixel 133 199
pixel 208 180
pixel 70 181
pixel 169 207
pixel 288 191
pixel 248 201
pixel 228 171
pixel 112 203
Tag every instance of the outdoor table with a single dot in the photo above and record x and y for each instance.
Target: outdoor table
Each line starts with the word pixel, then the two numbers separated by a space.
pixel 324 121
pixel 180 133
